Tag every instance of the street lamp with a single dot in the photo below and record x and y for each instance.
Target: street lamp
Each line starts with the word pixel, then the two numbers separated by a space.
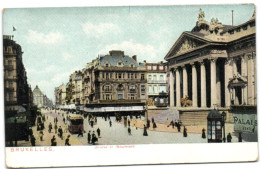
pixel 223 115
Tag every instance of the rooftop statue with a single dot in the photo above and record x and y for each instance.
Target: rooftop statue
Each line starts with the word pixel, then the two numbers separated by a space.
pixel 201 15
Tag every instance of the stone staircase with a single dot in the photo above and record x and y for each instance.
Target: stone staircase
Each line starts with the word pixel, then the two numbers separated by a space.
pixel 170 114
pixel 194 118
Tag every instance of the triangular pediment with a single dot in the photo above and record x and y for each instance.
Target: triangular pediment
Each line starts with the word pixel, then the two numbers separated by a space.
pixel 237 80
pixel 186 42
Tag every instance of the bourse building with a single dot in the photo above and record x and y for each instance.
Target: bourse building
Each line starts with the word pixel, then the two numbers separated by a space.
pixel 214 65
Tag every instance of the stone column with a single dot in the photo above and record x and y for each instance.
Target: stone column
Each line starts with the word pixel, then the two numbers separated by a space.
pixel 250 80
pixel 203 83
pixel 178 88
pixel 194 86
pixel 171 89
pixel 244 74
pixel 213 82
pixel 234 62
pixel 185 81
pixel 228 75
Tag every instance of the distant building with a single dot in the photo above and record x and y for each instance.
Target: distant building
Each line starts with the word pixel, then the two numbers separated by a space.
pixel 156 83
pixel 74 89
pixel 17 92
pixel 60 95
pixel 38 97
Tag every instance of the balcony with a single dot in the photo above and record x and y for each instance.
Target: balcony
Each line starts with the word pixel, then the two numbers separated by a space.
pixel 9 67
pixel 132 90
pixel 107 90
pixel 156 81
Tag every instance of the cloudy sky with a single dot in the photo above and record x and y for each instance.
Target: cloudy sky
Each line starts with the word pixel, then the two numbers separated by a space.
pixel 58 41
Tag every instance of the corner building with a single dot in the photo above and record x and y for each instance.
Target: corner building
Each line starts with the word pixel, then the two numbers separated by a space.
pixel 215 66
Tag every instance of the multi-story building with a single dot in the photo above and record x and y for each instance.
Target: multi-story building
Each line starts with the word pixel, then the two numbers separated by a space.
pixel 74 89
pixel 60 95
pixel 156 83
pixel 115 79
pixel 38 97
pixel 16 89
pixel 215 66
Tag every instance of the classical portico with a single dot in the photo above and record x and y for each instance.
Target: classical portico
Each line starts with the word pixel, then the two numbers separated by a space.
pixel 211 68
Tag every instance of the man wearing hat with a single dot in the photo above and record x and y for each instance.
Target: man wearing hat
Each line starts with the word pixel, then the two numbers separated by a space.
pixel 67 141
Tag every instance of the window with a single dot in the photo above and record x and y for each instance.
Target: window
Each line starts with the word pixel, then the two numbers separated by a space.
pixel 128 75
pixel 120 63
pixel 11 96
pixel 103 75
pixel 107 88
pixel 120 96
pixel 132 87
pixel 107 76
pixel 162 89
pixel 154 77
pixel 161 67
pixel 9 62
pixel 107 65
pixel 132 96
pixel 131 65
pixel 150 77
pixel 142 96
pixel 155 89
pixel 10 73
pixel 149 67
pixel 135 75
pixel 10 84
pixel 107 97
pixel 150 89
pixel 154 67
pixel 143 88
pixel 119 75
pixel 132 75
pixel 142 76
pixel 161 77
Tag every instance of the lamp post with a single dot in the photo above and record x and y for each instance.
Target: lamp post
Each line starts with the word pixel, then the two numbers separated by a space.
pixel 223 115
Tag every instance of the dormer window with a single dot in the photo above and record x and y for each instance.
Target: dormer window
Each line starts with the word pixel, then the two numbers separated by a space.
pixel 107 65
pixel 120 63
pixel 132 65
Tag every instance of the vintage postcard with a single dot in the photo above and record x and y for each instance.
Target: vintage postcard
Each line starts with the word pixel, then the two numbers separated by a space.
pixel 124 85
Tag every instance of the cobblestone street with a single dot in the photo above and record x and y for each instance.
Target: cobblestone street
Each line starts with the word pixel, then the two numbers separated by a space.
pixel 117 134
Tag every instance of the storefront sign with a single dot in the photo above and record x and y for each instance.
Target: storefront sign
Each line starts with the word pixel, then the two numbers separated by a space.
pixel 245 123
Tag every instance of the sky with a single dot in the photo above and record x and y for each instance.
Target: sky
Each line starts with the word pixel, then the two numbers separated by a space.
pixel 58 41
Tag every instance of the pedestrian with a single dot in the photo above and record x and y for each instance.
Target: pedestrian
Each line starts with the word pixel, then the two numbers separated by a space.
pixel 203 133
pixel 145 132
pixel 148 123
pixel 50 127
pixel 229 138
pixel 129 131
pixel 80 133
pixel 185 132
pixel 98 132
pixel 41 135
pixel 33 140
pixel 154 125
pixel 92 123
pixel 56 120
pixel 128 123
pixel 53 141
pixel 66 128
pixel 239 137
pixel 152 120
pixel 179 127
pixel 42 126
pixel 56 128
pixel 67 141
pixel 172 123
pixel 110 123
pixel 94 138
pixel 63 119
pixel 89 137
pixel 167 123
pixel 60 132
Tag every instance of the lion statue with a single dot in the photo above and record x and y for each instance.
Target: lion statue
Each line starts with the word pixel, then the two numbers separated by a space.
pixel 185 102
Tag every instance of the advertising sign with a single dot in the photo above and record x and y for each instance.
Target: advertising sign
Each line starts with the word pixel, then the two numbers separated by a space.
pixel 245 123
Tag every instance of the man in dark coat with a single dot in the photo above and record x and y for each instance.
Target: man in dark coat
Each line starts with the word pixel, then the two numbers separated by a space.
pixel 94 138
pixel 33 140
pixel 110 123
pixel 145 131
pixel 239 137
pixel 67 141
pixel 185 132
pixel 203 133
pixel 89 137
pixel 60 132
pixel 80 133
pixel 229 138
pixel 179 127
pixel 128 123
pixel 129 131
pixel 53 141
pixel 98 132
pixel 50 127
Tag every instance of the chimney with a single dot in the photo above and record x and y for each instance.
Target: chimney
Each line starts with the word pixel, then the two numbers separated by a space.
pixel 134 57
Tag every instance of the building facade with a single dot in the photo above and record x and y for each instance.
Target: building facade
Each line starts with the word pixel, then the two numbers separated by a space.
pixel 214 66
pixel 60 95
pixel 17 92
pixel 156 84
pixel 74 89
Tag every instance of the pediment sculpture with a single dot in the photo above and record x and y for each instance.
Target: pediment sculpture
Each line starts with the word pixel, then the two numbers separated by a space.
pixel 186 46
